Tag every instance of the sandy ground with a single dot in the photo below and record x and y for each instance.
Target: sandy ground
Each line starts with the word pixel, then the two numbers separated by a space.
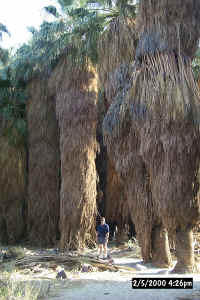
pixel 117 285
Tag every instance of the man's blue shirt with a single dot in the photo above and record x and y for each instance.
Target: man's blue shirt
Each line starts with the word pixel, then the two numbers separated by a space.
pixel 102 230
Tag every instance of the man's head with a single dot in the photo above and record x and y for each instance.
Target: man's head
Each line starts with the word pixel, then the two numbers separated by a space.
pixel 102 220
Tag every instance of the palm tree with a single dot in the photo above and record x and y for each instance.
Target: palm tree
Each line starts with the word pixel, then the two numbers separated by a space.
pixel 84 32
pixel 170 131
pixel 117 54
pixel 59 51
pixel 160 116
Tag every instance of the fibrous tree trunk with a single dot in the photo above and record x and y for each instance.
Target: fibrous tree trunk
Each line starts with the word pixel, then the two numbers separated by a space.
pixel 160 247
pixel 76 99
pixel 123 143
pixel 167 100
pixel 157 118
pixel 12 190
pixel 117 54
pixel 184 252
pixel 116 206
pixel 43 166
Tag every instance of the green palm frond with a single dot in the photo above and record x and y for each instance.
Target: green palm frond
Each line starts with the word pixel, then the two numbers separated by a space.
pixel 31 29
pixel 65 3
pixel 4 56
pixel 52 10
pixel 76 33
pixel 3 29
pixel 42 52
pixel 79 29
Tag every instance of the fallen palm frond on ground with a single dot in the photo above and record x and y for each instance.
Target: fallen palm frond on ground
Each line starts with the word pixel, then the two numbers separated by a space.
pixel 68 261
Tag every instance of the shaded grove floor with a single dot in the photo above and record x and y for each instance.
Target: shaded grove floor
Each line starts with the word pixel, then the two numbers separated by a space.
pixel 117 285
pixel 120 288
pixel 95 285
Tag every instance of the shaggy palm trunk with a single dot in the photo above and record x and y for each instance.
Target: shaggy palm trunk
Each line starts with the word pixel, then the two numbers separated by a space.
pixel 167 111
pixel 123 142
pixel 116 200
pixel 43 166
pixel 160 247
pixel 184 252
pixel 12 190
pixel 116 48
pixel 77 116
pixel 141 206
pixel 101 158
pixel 123 145
pixel 117 52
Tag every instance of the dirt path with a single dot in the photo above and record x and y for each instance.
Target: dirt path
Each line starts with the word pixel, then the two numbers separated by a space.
pixel 95 285
pixel 117 285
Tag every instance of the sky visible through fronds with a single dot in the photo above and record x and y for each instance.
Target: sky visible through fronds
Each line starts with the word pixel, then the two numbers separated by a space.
pixel 18 15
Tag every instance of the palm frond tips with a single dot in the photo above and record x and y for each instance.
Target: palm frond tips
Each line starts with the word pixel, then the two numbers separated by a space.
pixel 3 29
pixel 51 10
pixel 79 29
pixel 4 56
pixel 65 3
pixel 42 52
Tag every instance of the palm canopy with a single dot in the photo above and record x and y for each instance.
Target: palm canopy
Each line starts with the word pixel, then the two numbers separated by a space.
pixel 75 30
pixel 78 27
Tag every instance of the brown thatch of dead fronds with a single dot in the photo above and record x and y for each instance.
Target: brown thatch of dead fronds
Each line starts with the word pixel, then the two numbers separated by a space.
pixel 101 167
pixel 43 165
pixel 153 131
pixel 116 47
pixel 164 105
pixel 167 112
pixel 116 51
pixel 12 191
pixel 76 109
pixel 113 203
pixel 116 209
pixel 168 24
pixel 123 143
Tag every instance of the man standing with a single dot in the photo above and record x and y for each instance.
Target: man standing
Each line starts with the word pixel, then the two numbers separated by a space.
pixel 102 233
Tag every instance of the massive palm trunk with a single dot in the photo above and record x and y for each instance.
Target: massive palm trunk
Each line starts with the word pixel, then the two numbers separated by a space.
pixel 12 190
pixel 116 51
pixel 165 96
pixel 123 142
pixel 122 138
pixel 43 166
pixel 76 97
